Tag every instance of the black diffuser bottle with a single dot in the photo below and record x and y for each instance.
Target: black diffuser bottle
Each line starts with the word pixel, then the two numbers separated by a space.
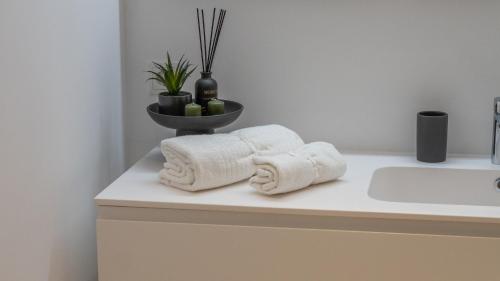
pixel 205 90
pixel 206 86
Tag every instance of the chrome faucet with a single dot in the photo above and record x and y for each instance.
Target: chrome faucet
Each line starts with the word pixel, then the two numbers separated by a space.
pixel 495 151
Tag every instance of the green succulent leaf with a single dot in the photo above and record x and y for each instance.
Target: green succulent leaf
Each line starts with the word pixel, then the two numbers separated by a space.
pixel 157 77
pixel 179 64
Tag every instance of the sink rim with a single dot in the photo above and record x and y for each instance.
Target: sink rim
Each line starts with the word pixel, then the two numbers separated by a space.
pixel 377 187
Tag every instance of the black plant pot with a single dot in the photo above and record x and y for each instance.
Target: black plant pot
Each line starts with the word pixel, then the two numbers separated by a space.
pixel 205 90
pixel 173 105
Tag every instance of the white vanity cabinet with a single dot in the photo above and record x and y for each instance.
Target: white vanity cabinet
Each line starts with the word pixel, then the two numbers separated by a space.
pixel 150 232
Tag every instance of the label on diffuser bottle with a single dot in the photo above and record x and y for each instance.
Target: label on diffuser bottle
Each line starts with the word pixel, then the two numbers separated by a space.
pixel 209 94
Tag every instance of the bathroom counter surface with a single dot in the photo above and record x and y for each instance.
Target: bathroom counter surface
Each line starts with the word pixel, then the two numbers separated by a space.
pixel 139 187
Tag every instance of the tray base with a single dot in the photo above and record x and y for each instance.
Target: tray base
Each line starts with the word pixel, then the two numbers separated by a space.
pixel 185 132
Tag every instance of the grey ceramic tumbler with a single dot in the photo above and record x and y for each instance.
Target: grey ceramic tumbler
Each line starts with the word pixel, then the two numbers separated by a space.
pixel 432 136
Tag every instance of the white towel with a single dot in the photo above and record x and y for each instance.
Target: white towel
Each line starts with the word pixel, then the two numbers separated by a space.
pixel 312 163
pixel 200 162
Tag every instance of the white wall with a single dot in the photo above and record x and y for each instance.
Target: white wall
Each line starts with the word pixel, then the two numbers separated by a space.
pixel 351 72
pixel 60 133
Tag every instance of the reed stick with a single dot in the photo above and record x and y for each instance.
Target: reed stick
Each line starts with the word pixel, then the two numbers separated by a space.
pixel 204 39
pixel 211 32
pixel 199 35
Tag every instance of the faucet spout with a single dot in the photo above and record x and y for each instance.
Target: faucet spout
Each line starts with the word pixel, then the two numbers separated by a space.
pixel 495 151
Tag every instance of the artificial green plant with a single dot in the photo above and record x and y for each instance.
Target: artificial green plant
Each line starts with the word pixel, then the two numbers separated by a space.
pixel 172 78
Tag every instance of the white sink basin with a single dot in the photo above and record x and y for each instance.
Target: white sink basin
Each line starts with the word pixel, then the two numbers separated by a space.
pixel 436 185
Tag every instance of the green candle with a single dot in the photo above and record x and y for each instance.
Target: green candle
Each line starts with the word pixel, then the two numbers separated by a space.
pixel 215 107
pixel 192 109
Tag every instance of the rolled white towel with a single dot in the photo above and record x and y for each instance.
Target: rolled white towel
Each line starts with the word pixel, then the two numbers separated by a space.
pixel 200 162
pixel 312 163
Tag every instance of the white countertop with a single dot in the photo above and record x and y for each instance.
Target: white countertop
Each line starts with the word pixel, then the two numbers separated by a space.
pixel 140 187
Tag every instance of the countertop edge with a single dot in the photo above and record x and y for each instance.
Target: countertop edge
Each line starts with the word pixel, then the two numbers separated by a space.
pixel 289 211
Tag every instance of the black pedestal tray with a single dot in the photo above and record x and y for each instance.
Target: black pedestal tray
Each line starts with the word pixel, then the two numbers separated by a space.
pixel 196 125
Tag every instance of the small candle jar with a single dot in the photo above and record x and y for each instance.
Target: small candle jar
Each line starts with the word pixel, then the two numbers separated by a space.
pixel 215 107
pixel 192 109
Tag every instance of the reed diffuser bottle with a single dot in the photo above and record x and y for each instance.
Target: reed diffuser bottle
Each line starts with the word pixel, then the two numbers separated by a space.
pixel 205 89
pixel 206 86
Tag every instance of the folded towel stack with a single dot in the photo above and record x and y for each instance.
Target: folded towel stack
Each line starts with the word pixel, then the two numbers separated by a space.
pixel 312 163
pixel 273 156
pixel 207 161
